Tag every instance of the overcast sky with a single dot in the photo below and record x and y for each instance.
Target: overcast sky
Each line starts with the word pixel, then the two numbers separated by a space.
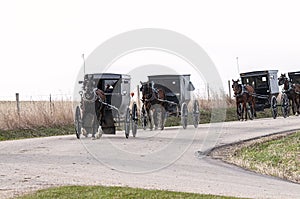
pixel 41 42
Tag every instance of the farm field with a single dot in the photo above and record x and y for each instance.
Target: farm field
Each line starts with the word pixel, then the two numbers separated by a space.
pixel 33 114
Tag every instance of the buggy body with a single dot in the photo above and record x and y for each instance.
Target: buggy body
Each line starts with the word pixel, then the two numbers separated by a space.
pixel 94 112
pixel 177 90
pixel 294 77
pixel 265 86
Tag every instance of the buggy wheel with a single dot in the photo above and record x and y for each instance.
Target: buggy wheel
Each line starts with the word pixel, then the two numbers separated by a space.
pixel 127 123
pixel 274 108
pixel 196 114
pixel 78 122
pixel 134 119
pixel 285 107
pixel 144 118
pixel 184 115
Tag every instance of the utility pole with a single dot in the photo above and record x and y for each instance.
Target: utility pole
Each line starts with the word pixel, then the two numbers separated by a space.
pixel 229 89
pixel 238 67
pixel 83 64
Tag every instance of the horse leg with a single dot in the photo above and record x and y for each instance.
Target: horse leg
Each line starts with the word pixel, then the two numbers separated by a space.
pixel 238 111
pixel 150 118
pixel 293 106
pixel 155 117
pixel 242 112
pixel 245 109
pixel 297 104
pixel 253 107
pixel 163 118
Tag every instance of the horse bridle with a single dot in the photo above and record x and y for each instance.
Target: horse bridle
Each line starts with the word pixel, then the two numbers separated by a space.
pixel 237 89
pixel 148 92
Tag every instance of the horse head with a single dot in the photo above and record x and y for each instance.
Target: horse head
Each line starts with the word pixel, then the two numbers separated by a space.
pixel 146 90
pixel 89 86
pixel 237 88
pixel 283 80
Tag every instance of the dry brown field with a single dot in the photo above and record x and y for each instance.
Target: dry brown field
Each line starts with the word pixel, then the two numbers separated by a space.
pixel 35 114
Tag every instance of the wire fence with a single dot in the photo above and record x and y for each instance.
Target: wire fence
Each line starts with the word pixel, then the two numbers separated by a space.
pixel 26 97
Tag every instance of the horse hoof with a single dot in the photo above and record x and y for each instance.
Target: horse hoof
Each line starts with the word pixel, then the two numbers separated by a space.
pixel 83 132
pixel 99 134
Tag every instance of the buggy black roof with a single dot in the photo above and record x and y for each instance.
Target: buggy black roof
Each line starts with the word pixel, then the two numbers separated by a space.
pixel 294 73
pixel 258 73
pixel 106 76
pixel 294 77
pixel 168 76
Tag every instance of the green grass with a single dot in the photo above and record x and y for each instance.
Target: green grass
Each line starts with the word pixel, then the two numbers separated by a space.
pixel 36 132
pixel 91 192
pixel 280 157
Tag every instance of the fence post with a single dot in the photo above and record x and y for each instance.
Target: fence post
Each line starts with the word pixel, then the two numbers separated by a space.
pixel 229 93
pixel 18 109
pixel 18 103
pixel 208 97
pixel 51 108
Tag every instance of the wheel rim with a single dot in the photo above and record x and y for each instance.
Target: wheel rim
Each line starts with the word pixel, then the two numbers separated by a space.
pixel 127 123
pixel 184 115
pixel 77 122
pixel 196 113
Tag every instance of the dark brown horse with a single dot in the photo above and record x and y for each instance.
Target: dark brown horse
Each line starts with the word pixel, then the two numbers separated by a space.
pixel 292 91
pixel 244 94
pixel 152 96
pixel 89 120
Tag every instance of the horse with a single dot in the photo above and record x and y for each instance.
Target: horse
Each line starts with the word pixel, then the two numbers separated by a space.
pixel 104 112
pixel 89 120
pixel 244 94
pixel 292 91
pixel 152 96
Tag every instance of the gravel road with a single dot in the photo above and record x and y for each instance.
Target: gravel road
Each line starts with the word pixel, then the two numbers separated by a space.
pixel 166 159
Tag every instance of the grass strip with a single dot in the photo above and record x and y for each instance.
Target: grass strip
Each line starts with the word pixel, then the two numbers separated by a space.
pixel 36 132
pixel 279 157
pixel 91 192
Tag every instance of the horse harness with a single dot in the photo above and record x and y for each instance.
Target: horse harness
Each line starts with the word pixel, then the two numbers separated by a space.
pixel 243 90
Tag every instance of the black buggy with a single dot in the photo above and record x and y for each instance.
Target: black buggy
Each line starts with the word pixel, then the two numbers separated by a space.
pixel 294 77
pixel 266 90
pixel 106 112
pixel 177 90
